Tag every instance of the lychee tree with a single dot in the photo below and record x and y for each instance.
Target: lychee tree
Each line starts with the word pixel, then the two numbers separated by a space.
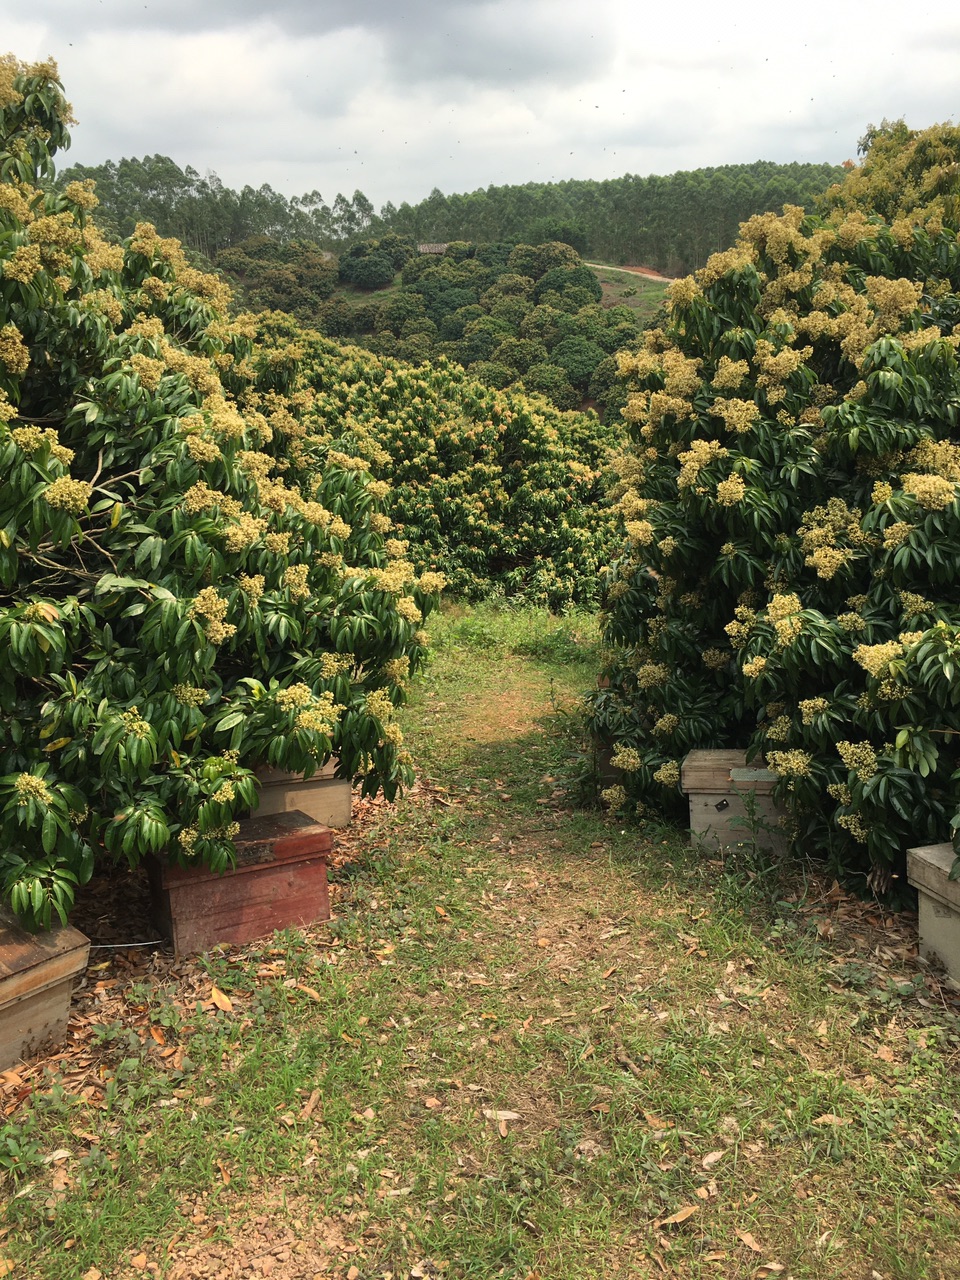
pixel 790 580
pixel 190 583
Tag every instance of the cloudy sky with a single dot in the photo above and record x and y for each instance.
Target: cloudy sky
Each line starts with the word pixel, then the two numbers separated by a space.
pixel 395 97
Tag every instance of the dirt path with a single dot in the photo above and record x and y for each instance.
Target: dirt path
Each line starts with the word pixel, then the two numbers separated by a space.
pixel 534 1044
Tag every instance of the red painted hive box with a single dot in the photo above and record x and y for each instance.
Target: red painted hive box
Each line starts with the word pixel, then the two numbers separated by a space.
pixel 279 881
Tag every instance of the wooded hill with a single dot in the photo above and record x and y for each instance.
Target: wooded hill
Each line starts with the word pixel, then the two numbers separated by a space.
pixel 673 223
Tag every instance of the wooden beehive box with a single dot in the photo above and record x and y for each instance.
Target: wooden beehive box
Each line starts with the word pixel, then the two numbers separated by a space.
pixel 323 797
pixel 928 870
pixel 279 881
pixel 722 790
pixel 37 973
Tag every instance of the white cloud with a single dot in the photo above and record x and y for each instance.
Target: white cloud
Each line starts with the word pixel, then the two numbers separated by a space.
pixel 399 97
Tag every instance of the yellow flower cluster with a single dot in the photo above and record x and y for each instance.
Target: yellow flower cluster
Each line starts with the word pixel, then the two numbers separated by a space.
pixel 668 775
pixel 333 664
pixel 397 671
pixel 913 604
pixel 29 787
pixel 212 608
pixel 65 494
pixel 666 724
pixel 740 629
pixel 252 585
pixel 755 667
pixel 135 724
pixel 394 578
pixel 934 493
pixel 614 797
pixel 876 658
pixel 840 792
pixel 651 674
pixel 731 491
pixel 294 697
pixel 627 759
pixel 640 532
pixel 243 532
pixel 379 705
pixel 738 416
pixel 853 823
pixel 321 715
pixel 810 708
pixel 859 757
pixel 789 764
pixel 432 583
pixel 895 535
pixel 14 355
pixel 881 492
pixel 202 450
pixel 682 292
pixel 828 561
pixel 779 729
pixel 692 461
pixel 715 659
pixel 33 439
pixel 189 695
pixel 408 610
pixel 729 374
pixel 941 457
pixel 295 580
pixel 23 264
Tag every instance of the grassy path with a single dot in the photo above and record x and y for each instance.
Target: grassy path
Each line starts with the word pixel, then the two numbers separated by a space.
pixel 533 1044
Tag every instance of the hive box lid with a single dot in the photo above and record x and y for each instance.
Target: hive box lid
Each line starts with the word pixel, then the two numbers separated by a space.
pixel 710 770
pixel 928 869
pixel 275 837
pixel 30 962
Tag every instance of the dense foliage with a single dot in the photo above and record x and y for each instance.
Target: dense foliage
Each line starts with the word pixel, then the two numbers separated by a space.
pixel 526 316
pixel 790 582
pixel 499 491
pixel 671 222
pixel 192 582
pixel 208 216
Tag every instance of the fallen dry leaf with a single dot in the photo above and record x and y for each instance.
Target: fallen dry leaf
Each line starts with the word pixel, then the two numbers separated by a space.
pixel 502 1115
pixel 712 1158
pixel 687 1211
pixel 770 1269
pixel 830 1119
pixel 543 942
pixel 885 1053
pixel 749 1241
pixel 222 1002
pixel 6 1266
pixel 139 1261
pixel 432 1103
pixel 93 1274
pixel 311 1103
pixel 309 991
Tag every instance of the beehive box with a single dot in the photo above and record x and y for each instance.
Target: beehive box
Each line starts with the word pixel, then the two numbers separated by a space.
pixel 722 789
pixel 323 797
pixel 37 975
pixel 928 870
pixel 279 882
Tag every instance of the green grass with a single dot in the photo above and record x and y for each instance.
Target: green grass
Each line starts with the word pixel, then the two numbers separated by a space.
pixel 628 289
pixel 671 1033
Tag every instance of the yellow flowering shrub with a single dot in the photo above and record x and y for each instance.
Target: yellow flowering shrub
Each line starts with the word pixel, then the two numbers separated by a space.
pixel 183 515
pixel 790 567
